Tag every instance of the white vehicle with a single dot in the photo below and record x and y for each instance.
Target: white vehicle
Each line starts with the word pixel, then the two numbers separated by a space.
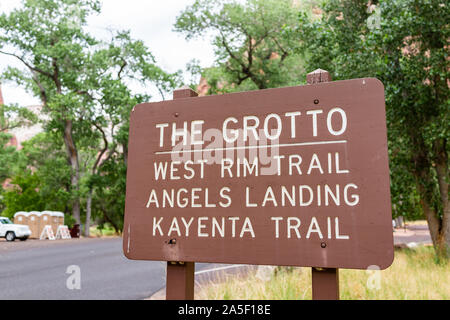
pixel 11 231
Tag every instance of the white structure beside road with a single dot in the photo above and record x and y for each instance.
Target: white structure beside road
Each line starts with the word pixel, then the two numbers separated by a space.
pixel 11 231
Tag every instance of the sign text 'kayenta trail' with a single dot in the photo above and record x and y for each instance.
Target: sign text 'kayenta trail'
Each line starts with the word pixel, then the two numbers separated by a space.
pixel 292 176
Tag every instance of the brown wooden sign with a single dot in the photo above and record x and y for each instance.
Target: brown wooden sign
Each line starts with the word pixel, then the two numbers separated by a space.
pixel 293 176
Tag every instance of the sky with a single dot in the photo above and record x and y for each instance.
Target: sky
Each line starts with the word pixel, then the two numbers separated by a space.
pixel 148 20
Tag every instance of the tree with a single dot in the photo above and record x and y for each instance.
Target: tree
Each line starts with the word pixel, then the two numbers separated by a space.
pixel 110 192
pixel 24 196
pixel 7 156
pixel 11 117
pixel 40 177
pixel 404 43
pixel 252 52
pixel 108 72
pixel 81 81
pixel 45 38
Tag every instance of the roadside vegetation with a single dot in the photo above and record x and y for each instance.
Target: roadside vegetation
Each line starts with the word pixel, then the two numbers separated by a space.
pixel 403 43
pixel 105 230
pixel 416 274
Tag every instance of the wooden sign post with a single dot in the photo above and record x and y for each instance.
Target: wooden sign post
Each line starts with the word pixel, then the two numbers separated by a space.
pixel 294 176
pixel 325 281
pixel 180 275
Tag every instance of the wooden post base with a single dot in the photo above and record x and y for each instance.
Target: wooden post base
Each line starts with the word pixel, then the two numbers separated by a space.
pixel 180 281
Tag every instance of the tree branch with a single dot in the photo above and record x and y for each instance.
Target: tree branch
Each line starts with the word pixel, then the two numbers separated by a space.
pixel 285 53
pixel 28 65
pixel 232 55
pixel 122 67
pixel 102 152
pixel 41 88
pixel 84 92
pixel 55 75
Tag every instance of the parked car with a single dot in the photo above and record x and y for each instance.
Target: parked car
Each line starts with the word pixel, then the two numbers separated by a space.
pixel 11 231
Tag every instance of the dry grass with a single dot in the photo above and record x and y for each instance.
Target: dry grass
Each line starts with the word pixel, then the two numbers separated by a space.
pixel 416 223
pixel 415 274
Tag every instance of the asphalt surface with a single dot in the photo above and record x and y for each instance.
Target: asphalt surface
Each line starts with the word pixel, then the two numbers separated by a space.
pixel 412 235
pixel 33 270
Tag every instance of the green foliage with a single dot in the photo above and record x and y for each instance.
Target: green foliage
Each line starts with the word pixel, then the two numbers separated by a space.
pixel 24 196
pixel 40 178
pixel 14 116
pixel 83 83
pixel 11 117
pixel 404 43
pixel 251 50
pixel 110 193
pixel 7 157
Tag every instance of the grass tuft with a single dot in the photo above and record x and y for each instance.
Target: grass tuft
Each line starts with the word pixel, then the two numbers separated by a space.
pixel 415 274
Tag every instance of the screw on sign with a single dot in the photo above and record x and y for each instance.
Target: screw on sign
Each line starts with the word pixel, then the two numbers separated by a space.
pixel 294 176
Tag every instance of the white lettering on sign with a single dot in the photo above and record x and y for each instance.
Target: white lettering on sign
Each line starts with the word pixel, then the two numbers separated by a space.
pixel 242 227
pixel 251 127
pixel 251 137
pixel 284 196
pixel 290 176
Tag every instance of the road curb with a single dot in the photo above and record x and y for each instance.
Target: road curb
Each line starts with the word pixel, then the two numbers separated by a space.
pixel 206 276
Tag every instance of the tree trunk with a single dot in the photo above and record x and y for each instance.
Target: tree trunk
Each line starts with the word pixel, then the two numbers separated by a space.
pixel 438 226
pixel 441 168
pixel 125 154
pixel 72 156
pixel 87 224
pixel 433 221
pixel 106 217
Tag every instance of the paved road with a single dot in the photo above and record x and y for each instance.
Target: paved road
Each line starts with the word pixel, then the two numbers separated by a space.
pixel 34 271
pixel 412 234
